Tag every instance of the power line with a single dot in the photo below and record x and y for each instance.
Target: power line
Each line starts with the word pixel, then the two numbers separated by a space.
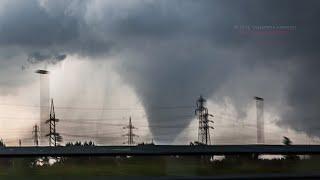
pixel 130 133
pixel 86 136
pixel 103 108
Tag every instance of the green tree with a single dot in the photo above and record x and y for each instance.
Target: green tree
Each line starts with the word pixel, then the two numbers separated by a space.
pixel 2 144
pixel 287 142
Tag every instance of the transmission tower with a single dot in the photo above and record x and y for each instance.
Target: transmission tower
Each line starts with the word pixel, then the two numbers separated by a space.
pixel 203 117
pixel 130 133
pixel 35 133
pixel 54 137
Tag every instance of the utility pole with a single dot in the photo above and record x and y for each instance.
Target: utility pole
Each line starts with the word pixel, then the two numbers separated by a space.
pixel 54 137
pixel 130 133
pixel 20 143
pixel 203 117
pixel 35 133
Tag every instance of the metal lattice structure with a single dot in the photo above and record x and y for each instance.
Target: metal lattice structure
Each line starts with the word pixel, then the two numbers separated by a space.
pixel 54 137
pixel 260 120
pixel 203 117
pixel 35 133
pixel 44 105
pixel 130 133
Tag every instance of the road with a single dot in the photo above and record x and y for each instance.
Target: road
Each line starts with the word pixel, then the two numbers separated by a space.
pixel 158 150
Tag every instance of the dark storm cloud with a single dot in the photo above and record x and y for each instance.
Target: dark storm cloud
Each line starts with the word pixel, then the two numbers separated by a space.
pixel 37 57
pixel 25 23
pixel 177 80
pixel 172 51
pixel 303 98
pixel 51 26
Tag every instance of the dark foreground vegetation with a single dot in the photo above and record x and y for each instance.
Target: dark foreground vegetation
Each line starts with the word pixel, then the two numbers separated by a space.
pixel 126 166
pixel 151 166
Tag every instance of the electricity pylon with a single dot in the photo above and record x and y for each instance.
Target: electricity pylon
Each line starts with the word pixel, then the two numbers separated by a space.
pixel 54 137
pixel 35 133
pixel 130 133
pixel 203 117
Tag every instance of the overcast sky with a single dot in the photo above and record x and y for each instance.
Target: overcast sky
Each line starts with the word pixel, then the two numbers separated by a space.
pixel 151 60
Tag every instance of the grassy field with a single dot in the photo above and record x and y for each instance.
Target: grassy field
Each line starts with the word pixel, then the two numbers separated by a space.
pixel 151 166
